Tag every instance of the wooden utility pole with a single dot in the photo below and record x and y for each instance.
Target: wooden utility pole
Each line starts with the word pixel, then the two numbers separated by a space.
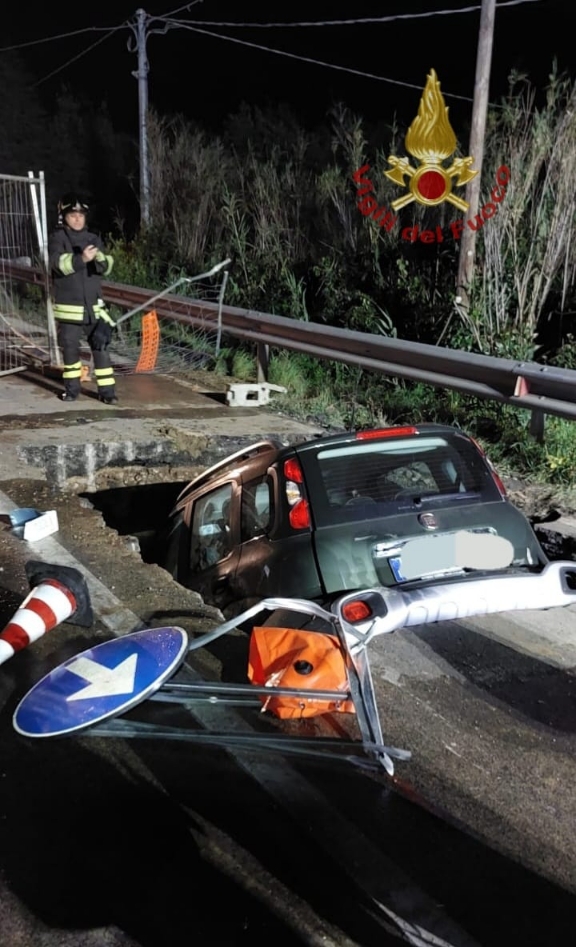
pixel 476 146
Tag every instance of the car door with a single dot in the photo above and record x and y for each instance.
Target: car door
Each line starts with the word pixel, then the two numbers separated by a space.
pixel 275 559
pixel 213 547
pixel 257 508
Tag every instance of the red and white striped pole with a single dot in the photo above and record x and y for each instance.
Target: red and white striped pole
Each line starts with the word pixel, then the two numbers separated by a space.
pixel 50 602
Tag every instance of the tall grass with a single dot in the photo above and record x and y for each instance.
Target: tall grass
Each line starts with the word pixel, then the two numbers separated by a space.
pixel 527 255
pixel 282 203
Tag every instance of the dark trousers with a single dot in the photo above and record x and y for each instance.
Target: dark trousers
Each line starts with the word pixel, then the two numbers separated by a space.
pixel 98 334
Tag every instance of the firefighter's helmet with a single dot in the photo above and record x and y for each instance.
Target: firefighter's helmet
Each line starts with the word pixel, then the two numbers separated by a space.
pixel 72 202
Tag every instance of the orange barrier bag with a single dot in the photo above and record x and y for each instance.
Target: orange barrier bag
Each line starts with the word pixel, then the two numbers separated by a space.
pixel 290 657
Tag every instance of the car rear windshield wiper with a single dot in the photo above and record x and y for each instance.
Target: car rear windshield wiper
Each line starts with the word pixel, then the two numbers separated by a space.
pixel 420 498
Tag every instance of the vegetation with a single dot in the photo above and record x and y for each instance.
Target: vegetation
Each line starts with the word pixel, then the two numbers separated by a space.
pixel 528 253
pixel 282 203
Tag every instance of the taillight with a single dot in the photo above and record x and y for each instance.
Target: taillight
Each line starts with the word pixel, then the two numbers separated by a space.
pixel 386 432
pixel 356 610
pixel 293 470
pixel 293 493
pixel 299 515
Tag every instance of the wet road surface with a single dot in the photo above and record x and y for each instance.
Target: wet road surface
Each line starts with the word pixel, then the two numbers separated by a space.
pixel 114 842
pixel 109 842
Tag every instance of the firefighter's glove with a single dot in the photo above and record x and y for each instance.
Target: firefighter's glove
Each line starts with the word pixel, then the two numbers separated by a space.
pixel 101 336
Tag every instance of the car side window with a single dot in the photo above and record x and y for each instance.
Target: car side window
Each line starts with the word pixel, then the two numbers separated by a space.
pixel 210 539
pixel 256 509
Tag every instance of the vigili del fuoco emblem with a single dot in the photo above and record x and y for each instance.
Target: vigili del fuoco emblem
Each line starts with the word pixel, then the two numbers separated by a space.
pixel 431 139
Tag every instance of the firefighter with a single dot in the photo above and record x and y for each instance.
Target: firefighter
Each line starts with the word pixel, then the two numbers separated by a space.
pixel 78 263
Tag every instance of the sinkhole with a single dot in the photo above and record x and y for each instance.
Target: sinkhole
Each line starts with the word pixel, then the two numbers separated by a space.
pixel 139 511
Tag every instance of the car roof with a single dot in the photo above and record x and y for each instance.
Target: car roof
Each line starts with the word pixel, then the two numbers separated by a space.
pixel 375 434
pixel 264 447
pixel 262 453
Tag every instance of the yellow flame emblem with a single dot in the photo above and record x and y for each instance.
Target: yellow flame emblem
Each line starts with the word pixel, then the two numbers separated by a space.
pixel 431 139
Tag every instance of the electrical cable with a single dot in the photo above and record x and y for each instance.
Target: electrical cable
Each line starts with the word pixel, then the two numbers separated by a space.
pixel 188 24
pixel 358 21
pixel 191 3
pixel 78 56
pixel 366 20
pixel 316 62
pixel 48 39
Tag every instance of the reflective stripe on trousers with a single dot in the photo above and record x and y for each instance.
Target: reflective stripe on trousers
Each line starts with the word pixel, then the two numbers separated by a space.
pixel 69 338
pixel 72 371
pixel 104 376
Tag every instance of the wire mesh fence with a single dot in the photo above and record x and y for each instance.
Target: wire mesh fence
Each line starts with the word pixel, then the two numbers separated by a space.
pixel 142 341
pixel 145 343
pixel 24 330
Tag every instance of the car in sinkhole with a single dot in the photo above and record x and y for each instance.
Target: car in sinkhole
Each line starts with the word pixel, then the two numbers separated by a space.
pixel 400 507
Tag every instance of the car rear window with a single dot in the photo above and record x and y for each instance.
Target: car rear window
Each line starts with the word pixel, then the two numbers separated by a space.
pixel 369 478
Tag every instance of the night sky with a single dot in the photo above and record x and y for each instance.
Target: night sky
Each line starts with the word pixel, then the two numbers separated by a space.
pixel 207 78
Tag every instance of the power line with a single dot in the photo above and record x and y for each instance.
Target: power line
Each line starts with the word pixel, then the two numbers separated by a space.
pixel 355 22
pixel 316 62
pixel 310 23
pixel 48 39
pixel 78 56
pixel 186 6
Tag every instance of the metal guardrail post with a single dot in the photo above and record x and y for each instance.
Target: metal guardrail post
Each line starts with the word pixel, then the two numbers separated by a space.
pixel 263 360
pixel 537 426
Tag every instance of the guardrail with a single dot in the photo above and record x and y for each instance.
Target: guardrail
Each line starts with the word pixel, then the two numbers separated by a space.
pixel 542 389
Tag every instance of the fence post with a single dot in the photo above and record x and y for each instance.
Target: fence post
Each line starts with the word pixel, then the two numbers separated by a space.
pixel 42 225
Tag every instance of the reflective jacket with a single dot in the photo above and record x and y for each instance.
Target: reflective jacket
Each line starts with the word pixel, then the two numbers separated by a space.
pixel 77 286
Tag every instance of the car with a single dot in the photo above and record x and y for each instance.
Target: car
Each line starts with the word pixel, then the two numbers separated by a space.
pixel 400 507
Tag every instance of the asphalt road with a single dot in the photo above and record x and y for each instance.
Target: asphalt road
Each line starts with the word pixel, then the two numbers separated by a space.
pixel 138 842
pixel 129 842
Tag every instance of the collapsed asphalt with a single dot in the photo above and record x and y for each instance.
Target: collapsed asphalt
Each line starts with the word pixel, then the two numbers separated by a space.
pixel 485 706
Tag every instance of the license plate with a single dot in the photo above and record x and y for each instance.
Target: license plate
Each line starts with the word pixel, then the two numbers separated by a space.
pixel 450 554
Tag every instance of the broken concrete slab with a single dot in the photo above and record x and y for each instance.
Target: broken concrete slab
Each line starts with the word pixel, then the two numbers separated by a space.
pixel 176 427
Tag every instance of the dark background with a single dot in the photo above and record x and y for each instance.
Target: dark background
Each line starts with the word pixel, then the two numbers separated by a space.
pixel 207 78
pixel 70 96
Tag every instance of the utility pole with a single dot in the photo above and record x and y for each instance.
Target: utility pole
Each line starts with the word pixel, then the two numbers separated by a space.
pixel 139 30
pixel 476 146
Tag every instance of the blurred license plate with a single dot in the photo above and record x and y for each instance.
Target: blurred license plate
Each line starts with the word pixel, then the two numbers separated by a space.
pixel 450 554
pixel 396 567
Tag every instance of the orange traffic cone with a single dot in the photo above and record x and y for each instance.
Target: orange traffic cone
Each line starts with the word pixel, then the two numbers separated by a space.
pixel 58 593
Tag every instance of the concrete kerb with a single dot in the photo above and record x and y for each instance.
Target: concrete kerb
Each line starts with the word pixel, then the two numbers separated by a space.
pixel 159 424
pixel 59 455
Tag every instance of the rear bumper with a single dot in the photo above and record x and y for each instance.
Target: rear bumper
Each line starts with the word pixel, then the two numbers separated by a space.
pixel 554 587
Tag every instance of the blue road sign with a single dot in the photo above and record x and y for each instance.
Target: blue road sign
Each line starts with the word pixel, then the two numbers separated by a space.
pixel 101 682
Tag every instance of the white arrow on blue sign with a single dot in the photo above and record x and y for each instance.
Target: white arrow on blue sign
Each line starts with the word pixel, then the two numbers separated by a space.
pixel 101 682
